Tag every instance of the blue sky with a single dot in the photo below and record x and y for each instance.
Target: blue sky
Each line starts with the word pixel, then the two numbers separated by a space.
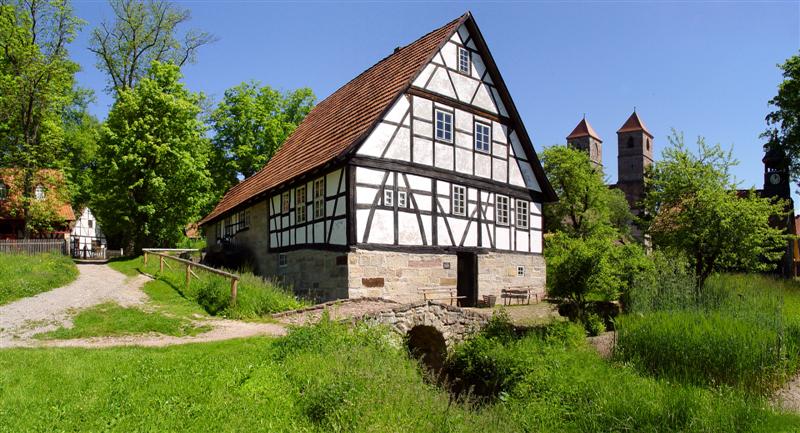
pixel 704 68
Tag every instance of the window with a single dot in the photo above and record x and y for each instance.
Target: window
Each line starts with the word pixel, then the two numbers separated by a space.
pixel 630 141
pixel 91 224
pixel 3 191
pixel 285 206
pixel 501 210
pixel 459 206
pixel 388 197
pixel 648 144
pixel 520 271
pixel 402 199
pixel 242 220
pixel 39 192
pixel 463 60
pixel 522 214
pixel 300 205
pixel 483 137
pixel 444 126
pixel 319 198
pixel 283 260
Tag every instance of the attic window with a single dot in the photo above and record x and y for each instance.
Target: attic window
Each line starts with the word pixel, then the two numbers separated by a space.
pixel 463 60
pixel 3 191
pixel 38 193
pixel 483 134
pixel 630 141
pixel 444 126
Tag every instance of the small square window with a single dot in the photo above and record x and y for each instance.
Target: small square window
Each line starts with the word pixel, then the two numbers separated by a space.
pixel 285 206
pixel 402 200
pixel 283 260
pixel 483 137
pixel 522 214
pixel 520 271
pixel 463 60
pixel 501 210
pixel 38 193
pixel 388 197
pixel 459 206
pixel 300 205
pixel 444 126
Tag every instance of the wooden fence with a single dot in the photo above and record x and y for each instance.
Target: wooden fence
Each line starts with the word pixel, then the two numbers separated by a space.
pixel 164 257
pixel 33 246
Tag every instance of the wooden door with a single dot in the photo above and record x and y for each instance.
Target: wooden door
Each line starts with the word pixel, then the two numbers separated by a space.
pixel 467 284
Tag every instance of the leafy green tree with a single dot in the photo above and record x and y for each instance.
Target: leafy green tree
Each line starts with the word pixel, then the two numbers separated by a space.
pixel 37 81
pixel 143 32
pixel 699 213
pixel 250 124
pixel 81 136
pixel 586 205
pixel 153 177
pixel 784 130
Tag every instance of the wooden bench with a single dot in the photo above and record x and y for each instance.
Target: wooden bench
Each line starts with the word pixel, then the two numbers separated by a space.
pixel 521 294
pixel 441 293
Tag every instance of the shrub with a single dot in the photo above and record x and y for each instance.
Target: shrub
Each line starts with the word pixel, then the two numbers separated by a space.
pixel 594 324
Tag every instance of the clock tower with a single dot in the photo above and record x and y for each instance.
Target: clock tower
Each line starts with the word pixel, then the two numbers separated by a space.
pixel 776 174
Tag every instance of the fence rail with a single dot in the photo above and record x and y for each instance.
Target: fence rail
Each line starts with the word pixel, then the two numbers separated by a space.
pixel 33 246
pixel 162 255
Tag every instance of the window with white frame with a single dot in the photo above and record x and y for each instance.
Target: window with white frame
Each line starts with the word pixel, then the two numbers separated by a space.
pixel 463 60
pixel 319 198
pixel 402 199
pixel 388 197
pixel 522 214
pixel 483 137
pixel 300 204
pixel 285 199
pixel 459 200
pixel 283 260
pixel 501 210
pixel 38 193
pixel 444 126
pixel 3 191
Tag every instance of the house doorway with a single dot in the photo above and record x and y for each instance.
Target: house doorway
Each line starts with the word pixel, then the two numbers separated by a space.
pixel 467 283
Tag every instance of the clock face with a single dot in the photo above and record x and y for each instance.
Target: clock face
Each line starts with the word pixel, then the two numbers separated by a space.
pixel 775 178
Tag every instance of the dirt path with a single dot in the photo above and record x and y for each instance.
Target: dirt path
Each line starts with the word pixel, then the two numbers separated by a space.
pixel 96 284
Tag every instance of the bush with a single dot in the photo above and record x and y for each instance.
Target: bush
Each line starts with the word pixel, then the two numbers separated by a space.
pixel 594 324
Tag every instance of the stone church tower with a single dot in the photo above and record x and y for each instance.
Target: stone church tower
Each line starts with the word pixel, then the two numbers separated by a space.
pixel 584 138
pixel 634 156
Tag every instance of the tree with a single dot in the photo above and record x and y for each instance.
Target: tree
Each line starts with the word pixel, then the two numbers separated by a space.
pixel 250 124
pixel 784 130
pixel 153 177
pixel 699 213
pixel 36 87
pixel 143 32
pixel 81 136
pixel 586 204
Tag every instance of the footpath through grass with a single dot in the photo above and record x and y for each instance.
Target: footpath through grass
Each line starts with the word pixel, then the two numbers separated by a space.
pixel 256 297
pixel 332 378
pixel 22 276
pixel 741 331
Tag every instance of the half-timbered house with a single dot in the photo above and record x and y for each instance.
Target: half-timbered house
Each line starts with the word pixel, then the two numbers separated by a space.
pixel 418 173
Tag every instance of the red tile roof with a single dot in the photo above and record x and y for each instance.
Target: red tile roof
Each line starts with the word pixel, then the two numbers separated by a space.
pixel 582 130
pixel 50 178
pixel 339 121
pixel 634 123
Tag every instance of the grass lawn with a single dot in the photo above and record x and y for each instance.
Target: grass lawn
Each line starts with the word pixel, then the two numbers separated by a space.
pixel 22 275
pixel 113 320
pixel 330 378
pixel 256 296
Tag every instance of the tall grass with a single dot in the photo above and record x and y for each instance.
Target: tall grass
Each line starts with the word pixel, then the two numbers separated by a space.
pixel 27 275
pixel 741 331
pixel 256 296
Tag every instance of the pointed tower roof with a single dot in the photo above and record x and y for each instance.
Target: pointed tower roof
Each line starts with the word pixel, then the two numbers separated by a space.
pixel 582 130
pixel 634 124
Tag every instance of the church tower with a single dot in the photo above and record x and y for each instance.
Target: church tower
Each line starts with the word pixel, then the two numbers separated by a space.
pixel 634 156
pixel 585 139
pixel 776 174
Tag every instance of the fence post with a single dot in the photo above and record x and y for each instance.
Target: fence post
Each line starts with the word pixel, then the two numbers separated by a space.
pixel 145 258
pixel 234 287
pixel 161 264
pixel 188 275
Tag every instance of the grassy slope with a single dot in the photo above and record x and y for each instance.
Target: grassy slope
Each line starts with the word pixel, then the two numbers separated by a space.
pixel 113 320
pixel 327 379
pixel 22 276
pixel 256 297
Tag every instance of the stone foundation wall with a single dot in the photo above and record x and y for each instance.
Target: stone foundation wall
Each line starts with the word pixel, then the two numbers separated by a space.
pixel 455 324
pixel 398 275
pixel 315 274
pixel 497 271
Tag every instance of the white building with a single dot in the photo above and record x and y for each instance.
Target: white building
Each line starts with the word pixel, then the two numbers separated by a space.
pixel 416 174
pixel 88 240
